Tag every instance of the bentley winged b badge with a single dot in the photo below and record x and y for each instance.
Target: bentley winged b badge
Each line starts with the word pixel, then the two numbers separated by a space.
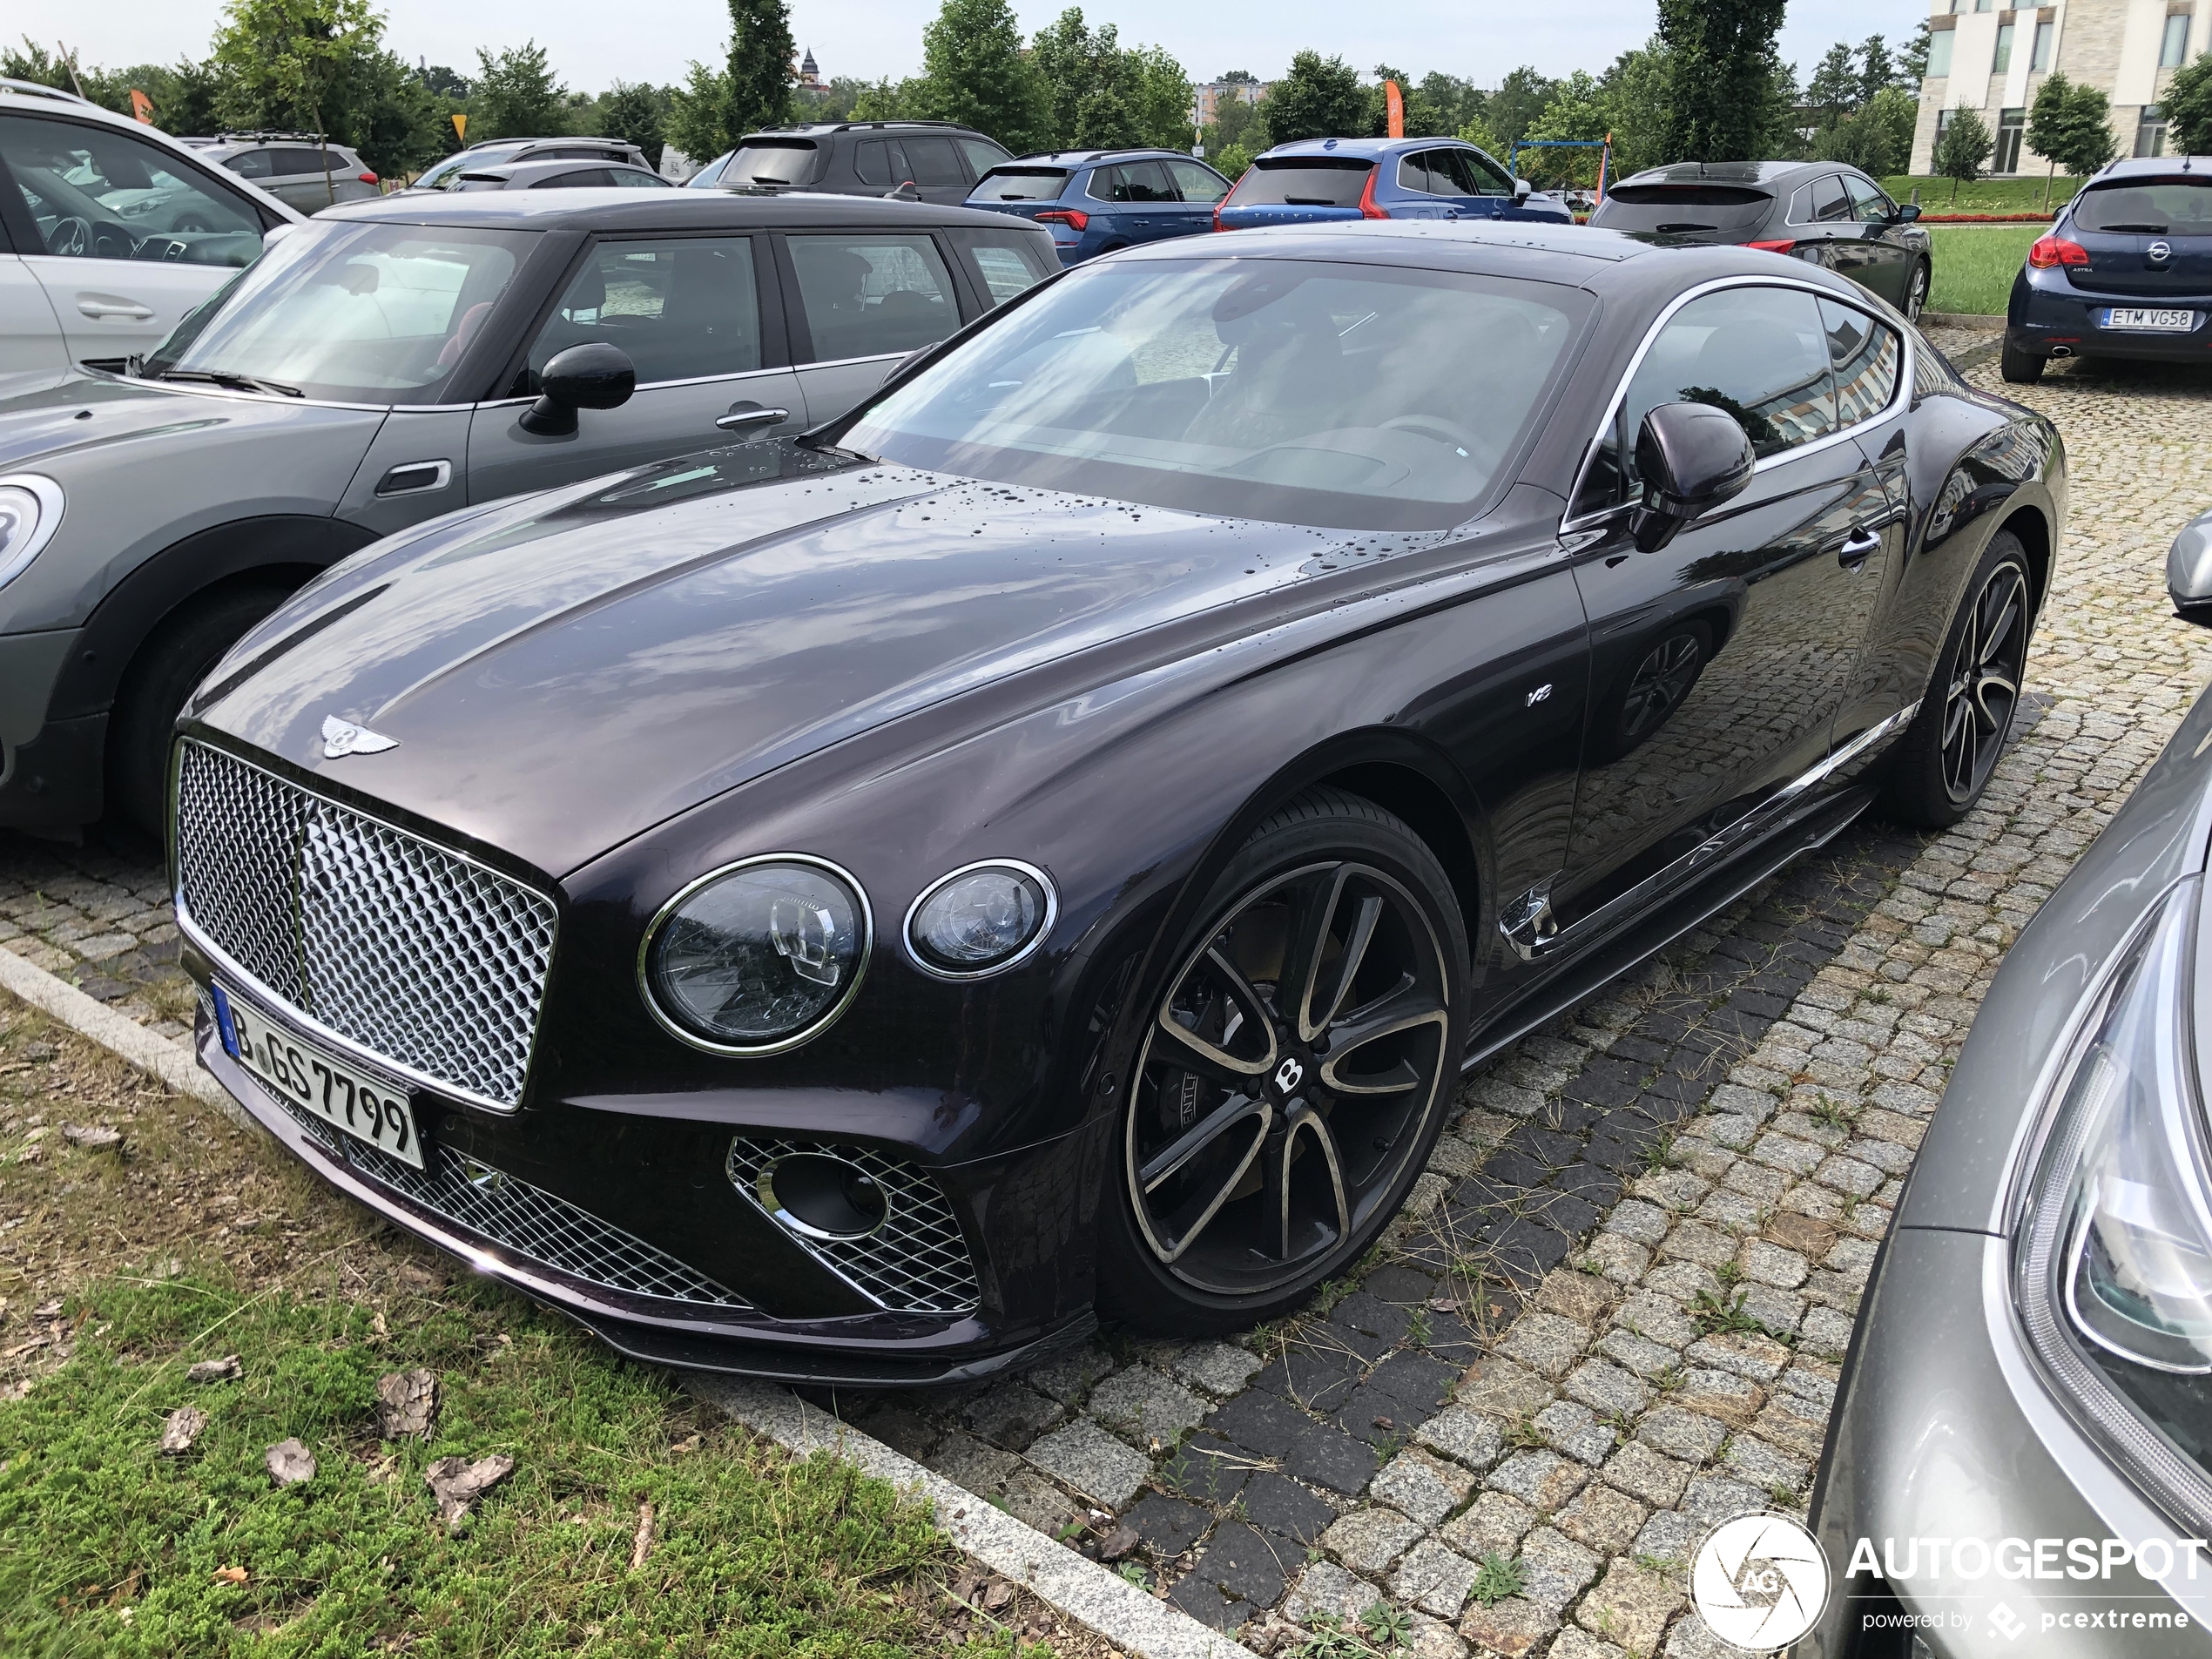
pixel 342 737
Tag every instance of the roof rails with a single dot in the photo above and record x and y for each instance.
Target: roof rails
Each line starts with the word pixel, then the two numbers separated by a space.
pixel 858 127
pixel 261 136
pixel 39 89
pixel 565 138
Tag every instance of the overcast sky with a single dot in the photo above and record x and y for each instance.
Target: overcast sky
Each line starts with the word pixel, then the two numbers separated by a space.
pixel 591 43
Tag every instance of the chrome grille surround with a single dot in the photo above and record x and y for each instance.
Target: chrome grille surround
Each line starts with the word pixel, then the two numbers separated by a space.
pixel 417 957
pixel 917 1262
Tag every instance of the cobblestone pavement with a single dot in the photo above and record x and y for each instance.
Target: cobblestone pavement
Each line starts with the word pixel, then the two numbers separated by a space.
pixel 1612 1313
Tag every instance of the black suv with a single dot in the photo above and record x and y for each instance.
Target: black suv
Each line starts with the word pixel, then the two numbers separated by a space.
pixel 931 161
pixel 1820 211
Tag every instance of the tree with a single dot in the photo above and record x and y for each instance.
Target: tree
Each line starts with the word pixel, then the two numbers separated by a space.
pixel 1912 66
pixel 1725 80
pixel 1879 71
pixel 1639 92
pixel 518 95
pixel 285 62
pixel 1833 92
pixel 2187 104
pixel 631 111
pixel 697 122
pixel 887 100
pixel 1513 109
pixel 1319 99
pixel 1965 143
pixel 761 73
pixel 1079 65
pixel 2070 125
pixel 1878 139
pixel 974 72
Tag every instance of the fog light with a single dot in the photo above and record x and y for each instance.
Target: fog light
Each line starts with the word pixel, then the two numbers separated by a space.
pixel 822 1196
pixel 980 919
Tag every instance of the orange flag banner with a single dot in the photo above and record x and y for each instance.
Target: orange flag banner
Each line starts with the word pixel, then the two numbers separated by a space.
pixel 1394 103
pixel 141 106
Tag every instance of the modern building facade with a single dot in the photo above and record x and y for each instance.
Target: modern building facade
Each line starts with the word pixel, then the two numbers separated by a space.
pixel 1208 97
pixel 1991 61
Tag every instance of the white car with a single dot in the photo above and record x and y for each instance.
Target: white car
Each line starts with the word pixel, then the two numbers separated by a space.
pixel 109 232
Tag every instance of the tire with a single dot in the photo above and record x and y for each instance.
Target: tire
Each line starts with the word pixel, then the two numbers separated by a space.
pixel 1916 291
pixel 179 656
pixel 1323 1102
pixel 2020 368
pixel 1944 762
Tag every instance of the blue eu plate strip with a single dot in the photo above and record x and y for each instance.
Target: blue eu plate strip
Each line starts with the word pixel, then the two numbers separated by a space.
pixel 224 1025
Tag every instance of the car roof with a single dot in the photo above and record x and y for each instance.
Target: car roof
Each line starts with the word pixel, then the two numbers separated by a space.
pixel 1732 172
pixel 2151 166
pixel 1091 157
pixel 614 208
pixel 822 129
pixel 511 170
pixel 1364 148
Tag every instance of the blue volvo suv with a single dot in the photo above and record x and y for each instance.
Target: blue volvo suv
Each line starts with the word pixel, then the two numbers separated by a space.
pixel 1326 179
pixel 1094 201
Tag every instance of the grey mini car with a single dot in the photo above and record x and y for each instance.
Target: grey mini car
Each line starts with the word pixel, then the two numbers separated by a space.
pixel 2022 1441
pixel 390 361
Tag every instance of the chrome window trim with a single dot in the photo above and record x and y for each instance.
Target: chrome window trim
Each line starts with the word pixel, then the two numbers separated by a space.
pixel 822 1022
pixel 1898 398
pixel 1036 940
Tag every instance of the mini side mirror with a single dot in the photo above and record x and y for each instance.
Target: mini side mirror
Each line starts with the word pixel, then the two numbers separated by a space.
pixel 2188 572
pixel 1521 191
pixel 594 376
pixel 1692 457
pixel 1907 213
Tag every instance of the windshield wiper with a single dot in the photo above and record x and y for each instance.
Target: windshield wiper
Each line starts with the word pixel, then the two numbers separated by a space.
pixel 236 382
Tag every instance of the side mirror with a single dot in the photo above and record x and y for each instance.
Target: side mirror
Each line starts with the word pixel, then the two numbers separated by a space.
pixel 2188 572
pixel 1692 457
pixel 1907 213
pixel 595 376
pixel 1521 190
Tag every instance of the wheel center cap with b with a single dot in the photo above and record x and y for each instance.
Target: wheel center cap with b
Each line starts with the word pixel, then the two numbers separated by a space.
pixel 1291 1075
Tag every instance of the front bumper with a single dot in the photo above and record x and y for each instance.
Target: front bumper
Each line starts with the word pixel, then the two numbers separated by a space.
pixel 860 1349
pixel 2048 316
pixel 1943 1430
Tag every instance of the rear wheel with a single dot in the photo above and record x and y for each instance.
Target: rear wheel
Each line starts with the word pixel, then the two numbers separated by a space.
pixel 1944 762
pixel 2020 368
pixel 170 665
pixel 1293 1074
pixel 1916 291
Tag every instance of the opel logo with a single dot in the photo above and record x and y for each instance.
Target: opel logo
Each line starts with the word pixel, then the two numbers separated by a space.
pixel 1288 1075
pixel 2159 253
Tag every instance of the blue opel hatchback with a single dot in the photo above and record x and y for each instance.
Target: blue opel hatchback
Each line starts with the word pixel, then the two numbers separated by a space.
pixel 1094 201
pixel 1326 179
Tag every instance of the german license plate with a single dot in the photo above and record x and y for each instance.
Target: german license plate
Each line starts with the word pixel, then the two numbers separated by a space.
pixel 341 1095
pixel 2143 319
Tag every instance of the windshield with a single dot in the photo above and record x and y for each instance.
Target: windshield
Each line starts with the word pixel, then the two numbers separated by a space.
pixel 1302 181
pixel 364 314
pixel 1357 396
pixel 1022 185
pixel 1682 209
pixel 2152 207
pixel 770 161
pixel 448 172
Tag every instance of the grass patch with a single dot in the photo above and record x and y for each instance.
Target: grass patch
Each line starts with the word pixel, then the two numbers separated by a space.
pixel 1984 195
pixel 1975 265
pixel 188 1241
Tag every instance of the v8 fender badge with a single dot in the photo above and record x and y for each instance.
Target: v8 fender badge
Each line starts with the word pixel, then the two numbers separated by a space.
pixel 342 737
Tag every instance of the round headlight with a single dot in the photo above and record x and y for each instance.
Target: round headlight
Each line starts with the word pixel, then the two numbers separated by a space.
pixel 30 511
pixel 980 919
pixel 759 957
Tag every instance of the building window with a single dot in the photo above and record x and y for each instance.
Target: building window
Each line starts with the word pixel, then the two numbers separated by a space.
pixel 2012 126
pixel 2003 61
pixel 1982 5
pixel 2150 132
pixel 2042 61
pixel 1939 53
pixel 2176 43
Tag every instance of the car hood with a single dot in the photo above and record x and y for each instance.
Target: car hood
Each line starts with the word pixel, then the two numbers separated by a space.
pixel 563 673
pixel 83 414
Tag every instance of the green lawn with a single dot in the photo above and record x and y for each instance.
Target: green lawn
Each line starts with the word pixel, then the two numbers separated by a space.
pixel 2022 195
pixel 1974 267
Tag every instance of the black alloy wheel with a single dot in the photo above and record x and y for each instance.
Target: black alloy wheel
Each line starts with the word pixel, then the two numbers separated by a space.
pixel 1942 764
pixel 1292 1077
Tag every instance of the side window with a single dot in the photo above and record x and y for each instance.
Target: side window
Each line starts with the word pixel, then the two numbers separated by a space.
pixel 582 178
pixel 1412 173
pixel 288 163
pixel 633 179
pixel 1005 264
pixel 1489 178
pixel 1868 204
pixel 869 295
pixel 876 160
pixel 1197 184
pixel 682 308
pixel 1830 205
pixel 253 164
pixel 934 162
pixel 1145 181
pixel 1760 354
pixel 983 155
pixel 97 193
pixel 1866 357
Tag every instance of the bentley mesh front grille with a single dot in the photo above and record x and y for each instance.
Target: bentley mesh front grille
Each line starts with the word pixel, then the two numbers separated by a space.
pixel 915 1263
pixel 422 957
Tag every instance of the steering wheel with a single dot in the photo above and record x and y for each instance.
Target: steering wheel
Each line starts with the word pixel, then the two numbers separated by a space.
pixel 113 242
pixel 71 236
pixel 1439 430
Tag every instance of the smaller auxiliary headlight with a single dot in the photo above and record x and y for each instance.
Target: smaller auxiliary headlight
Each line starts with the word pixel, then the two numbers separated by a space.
pixel 980 919
pixel 30 511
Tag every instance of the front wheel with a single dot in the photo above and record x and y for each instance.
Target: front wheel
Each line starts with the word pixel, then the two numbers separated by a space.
pixel 1293 1075
pixel 2020 368
pixel 1944 762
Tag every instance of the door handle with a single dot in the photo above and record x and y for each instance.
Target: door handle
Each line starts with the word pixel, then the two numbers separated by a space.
pixel 99 308
pixel 738 419
pixel 1855 548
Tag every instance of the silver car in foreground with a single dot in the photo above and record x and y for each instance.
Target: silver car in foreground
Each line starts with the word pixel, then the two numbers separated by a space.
pixel 2020 1457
